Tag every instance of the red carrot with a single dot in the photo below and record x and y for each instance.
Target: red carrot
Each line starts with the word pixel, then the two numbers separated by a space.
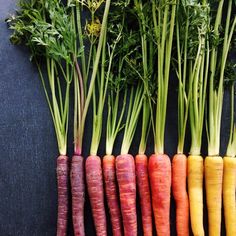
pixel 179 179
pixel 141 164
pixel 125 172
pixel 62 182
pixel 78 192
pixel 112 193
pixel 94 180
pixel 160 179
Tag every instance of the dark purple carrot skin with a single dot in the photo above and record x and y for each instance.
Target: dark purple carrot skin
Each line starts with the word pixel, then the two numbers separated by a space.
pixel 94 179
pixel 78 193
pixel 125 172
pixel 62 186
pixel 109 173
pixel 141 166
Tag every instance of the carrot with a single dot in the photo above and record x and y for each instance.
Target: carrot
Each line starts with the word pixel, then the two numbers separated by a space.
pixel 125 172
pixel 195 190
pixel 62 183
pixel 213 179
pixel 179 180
pixel 78 193
pixel 112 193
pixel 229 187
pixel 159 168
pixel 141 166
pixel 217 73
pixel 94 181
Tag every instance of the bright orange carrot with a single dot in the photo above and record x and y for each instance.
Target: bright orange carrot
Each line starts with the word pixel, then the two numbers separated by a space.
pixel 179 179
pixel 125 172
pixel 109 174
pixel 96 194
pixel 159 167
pixel 141 165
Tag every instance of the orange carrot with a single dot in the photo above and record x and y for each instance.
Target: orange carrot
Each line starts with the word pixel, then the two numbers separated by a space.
pixel 77 192
pixel 62 183
pixel 96 194
pixel 179 179
pixel 125 171
pixel 141 165
pixel 112 193
pixel 159 167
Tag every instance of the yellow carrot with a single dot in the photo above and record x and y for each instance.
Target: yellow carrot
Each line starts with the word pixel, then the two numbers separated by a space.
pixel 229 196
pixel 195 190
pixel 213 179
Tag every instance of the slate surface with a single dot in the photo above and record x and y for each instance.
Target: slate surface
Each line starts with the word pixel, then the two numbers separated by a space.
pixel 28 197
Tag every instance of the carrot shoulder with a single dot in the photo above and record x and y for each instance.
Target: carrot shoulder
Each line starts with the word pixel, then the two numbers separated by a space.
pixel 125 172
pixel 94 180
pixel 160 179
pixel 179 181
pixel 77 192
pixel 109 174
pixel 62 186
pixel 141 166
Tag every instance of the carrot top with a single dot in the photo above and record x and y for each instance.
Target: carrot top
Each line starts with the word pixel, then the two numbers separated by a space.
pixel 219 49
pixel 47 28
pixel 163 14
pixel 192 27
pixel 95 32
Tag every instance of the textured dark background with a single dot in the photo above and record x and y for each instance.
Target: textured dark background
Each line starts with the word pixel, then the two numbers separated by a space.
pixel 28 149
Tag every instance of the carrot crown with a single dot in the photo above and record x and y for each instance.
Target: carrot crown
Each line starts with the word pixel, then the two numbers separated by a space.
pixel 163 13
pixel 219 49
pixel 47 28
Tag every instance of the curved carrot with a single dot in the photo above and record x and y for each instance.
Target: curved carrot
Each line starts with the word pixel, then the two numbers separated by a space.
pixel 141 165
pixel 112 193
pixel 229 196
pixel 179 181
pixel 159 167
pixel 213 179
pixel 195 191
pixel 96 194
pixel 78 192
pixel 125 172
pixel 62 187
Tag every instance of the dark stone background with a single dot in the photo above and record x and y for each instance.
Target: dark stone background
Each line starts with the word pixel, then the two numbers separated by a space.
pixel 28 195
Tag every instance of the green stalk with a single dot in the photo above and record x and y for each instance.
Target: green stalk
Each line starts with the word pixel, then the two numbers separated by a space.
pixel 216 94
pixel 166 22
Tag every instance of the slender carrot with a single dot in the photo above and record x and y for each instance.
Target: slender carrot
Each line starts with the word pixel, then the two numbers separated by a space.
pixel 179 180
pixel 195 190
pixel 163 17
pixel 112 193
pixel 85 90
pixel 214 162
pixel 141 165
pixel 125 171
pixel 40 25
pixel 78 194
pixel 160 178
pixel 94 180
pixel 62 181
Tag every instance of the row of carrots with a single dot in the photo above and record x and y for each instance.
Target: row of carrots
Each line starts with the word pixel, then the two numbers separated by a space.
pixel 119 55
